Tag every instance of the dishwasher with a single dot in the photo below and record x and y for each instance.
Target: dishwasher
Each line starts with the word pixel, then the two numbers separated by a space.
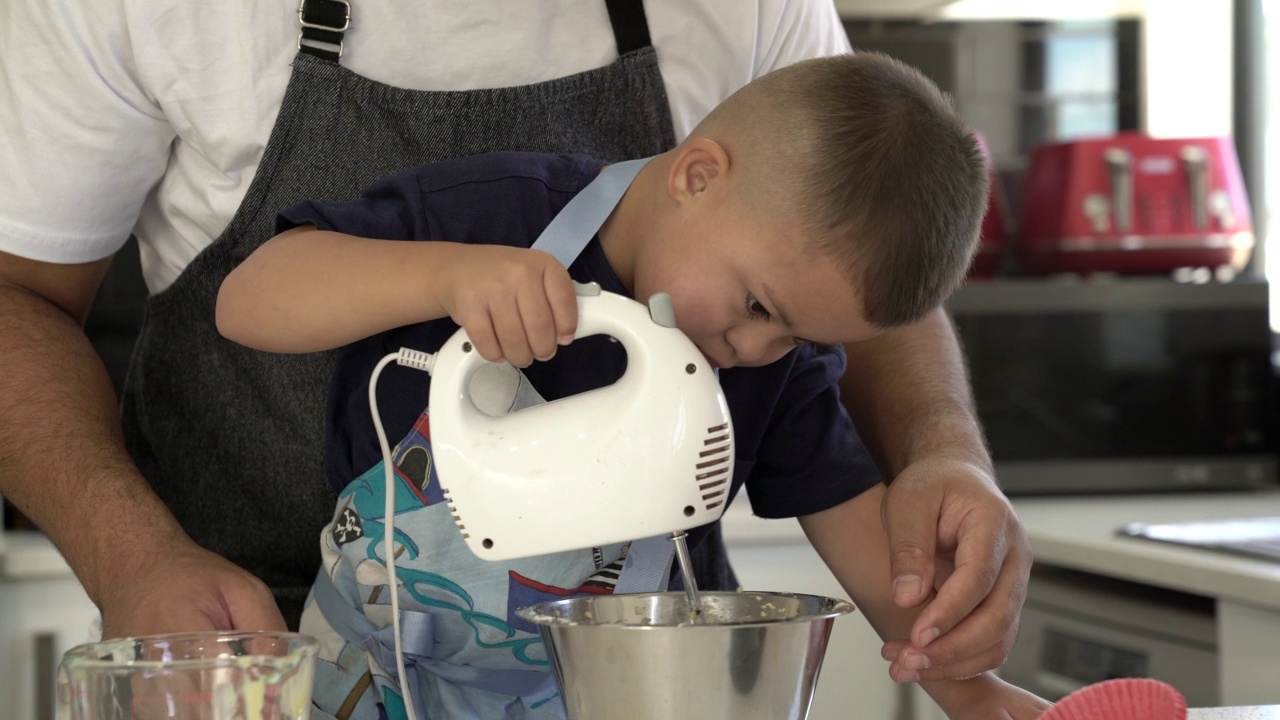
pixel 1078 629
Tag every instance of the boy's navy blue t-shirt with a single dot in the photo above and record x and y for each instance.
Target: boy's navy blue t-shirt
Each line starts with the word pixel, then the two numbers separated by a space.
pixel 797 451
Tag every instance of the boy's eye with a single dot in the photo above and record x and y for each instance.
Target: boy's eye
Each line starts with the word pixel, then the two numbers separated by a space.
pixel 755 309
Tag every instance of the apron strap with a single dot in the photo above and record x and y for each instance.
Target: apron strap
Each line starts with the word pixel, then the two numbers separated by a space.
pixel 323 22
pixel 648 563
pixel 630 26
pixel 580 219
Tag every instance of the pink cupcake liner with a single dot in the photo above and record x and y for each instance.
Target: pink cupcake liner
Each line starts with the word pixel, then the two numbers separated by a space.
pixel 1121 699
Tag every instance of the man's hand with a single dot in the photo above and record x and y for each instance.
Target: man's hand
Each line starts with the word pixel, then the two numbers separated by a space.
pixel 951 529
pixel 187 588
pixel 63 463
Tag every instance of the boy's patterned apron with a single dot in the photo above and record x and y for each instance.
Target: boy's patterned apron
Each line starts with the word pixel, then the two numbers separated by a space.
pixel 232 439
pixel 467 653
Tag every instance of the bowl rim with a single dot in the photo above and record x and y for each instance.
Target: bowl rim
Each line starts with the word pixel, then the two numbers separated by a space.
pixel 88 655
pixel 538 616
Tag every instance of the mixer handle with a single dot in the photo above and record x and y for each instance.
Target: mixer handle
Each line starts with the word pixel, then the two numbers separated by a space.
pixel 648 335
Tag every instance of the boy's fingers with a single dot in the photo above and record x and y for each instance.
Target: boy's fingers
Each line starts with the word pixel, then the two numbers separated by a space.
pixel 509 327
pixel 538 322
pixel 479 327
pixel 564 304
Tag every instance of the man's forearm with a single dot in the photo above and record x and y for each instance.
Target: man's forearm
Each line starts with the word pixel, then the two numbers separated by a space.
pixel 62 456
pixel 908 393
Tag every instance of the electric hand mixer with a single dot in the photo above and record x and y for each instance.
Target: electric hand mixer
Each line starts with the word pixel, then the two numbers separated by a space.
pixel 654 449
pixel 650 455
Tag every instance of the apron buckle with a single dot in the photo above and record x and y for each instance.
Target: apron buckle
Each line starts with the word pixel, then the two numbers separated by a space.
pixel 323 22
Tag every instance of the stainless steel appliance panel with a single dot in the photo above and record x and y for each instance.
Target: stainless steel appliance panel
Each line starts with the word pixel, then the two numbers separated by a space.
pixel 1078 629
pixel 1122 385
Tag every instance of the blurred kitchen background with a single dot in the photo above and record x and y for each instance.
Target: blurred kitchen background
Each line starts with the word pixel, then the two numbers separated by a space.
pixel 1120 331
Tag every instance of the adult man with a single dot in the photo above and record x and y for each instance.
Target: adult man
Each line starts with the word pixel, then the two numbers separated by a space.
pixel 172 120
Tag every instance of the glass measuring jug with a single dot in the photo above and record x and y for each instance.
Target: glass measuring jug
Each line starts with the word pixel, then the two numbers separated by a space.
pixel 194 676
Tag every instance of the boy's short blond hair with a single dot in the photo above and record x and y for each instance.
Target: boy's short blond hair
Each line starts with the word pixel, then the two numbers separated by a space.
pixel 875 163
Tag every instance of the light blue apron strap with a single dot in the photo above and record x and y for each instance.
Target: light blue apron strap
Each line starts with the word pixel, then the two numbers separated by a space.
pixel 575 225
pixel 418 641
pixel 648 563
pixel 647 567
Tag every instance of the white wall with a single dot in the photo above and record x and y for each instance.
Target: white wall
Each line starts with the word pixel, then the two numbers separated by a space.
pixel 1186 68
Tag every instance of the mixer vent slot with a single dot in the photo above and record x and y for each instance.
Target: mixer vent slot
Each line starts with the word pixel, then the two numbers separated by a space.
pixel 712 470
pixel 457 518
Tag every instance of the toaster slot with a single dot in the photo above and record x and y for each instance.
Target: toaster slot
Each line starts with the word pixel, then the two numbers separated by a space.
pixel 1195 162
pixel 1120 171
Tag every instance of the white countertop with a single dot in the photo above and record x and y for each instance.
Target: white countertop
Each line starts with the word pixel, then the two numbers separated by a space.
pixel 1269 712
pixel 1080 533
pixel 739 525
pixel 1073 532
pixel 28 555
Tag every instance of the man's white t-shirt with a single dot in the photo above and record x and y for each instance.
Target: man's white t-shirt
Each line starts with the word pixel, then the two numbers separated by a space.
pixel 150 116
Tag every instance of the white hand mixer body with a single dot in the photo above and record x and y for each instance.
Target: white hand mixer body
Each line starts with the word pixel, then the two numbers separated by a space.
pixel 650 454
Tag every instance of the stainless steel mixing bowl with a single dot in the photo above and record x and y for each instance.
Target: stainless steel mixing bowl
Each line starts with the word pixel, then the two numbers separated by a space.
pixel 751 656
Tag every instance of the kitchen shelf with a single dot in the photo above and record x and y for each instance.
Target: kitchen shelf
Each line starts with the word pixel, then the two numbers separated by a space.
pixel 1029 296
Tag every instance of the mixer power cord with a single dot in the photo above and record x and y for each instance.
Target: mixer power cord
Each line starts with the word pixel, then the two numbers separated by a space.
pixel 420 361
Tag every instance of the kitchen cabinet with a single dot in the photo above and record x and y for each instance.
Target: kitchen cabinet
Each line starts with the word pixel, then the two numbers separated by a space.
pixel 43 613
pixel 1079 534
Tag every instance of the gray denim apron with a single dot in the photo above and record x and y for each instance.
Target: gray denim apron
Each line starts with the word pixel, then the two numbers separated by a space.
pixel 231 438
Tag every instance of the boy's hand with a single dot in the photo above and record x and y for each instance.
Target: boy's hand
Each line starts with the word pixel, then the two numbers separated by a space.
pixel 516 304
pixel 986 697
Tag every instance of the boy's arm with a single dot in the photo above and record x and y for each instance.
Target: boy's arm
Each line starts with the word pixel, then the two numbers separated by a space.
pixel 307 290
pixel 909 397
pixel 851 539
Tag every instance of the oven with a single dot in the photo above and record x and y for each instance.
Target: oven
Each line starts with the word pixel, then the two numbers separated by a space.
pixel 1110 384
pixel 1078 629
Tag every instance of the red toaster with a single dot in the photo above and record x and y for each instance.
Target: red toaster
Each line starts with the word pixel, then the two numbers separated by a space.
pixel 992 242
pixel 1134 204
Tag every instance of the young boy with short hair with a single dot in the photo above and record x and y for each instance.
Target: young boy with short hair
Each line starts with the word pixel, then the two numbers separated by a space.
pixel 821 204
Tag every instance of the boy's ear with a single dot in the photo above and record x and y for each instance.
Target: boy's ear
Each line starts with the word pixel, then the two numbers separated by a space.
pixel 699 163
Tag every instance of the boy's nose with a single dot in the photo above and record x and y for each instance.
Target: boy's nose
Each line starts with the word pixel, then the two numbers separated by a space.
pixel 755 348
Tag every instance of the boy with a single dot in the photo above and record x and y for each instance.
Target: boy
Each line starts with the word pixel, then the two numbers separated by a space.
pixel 821 204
